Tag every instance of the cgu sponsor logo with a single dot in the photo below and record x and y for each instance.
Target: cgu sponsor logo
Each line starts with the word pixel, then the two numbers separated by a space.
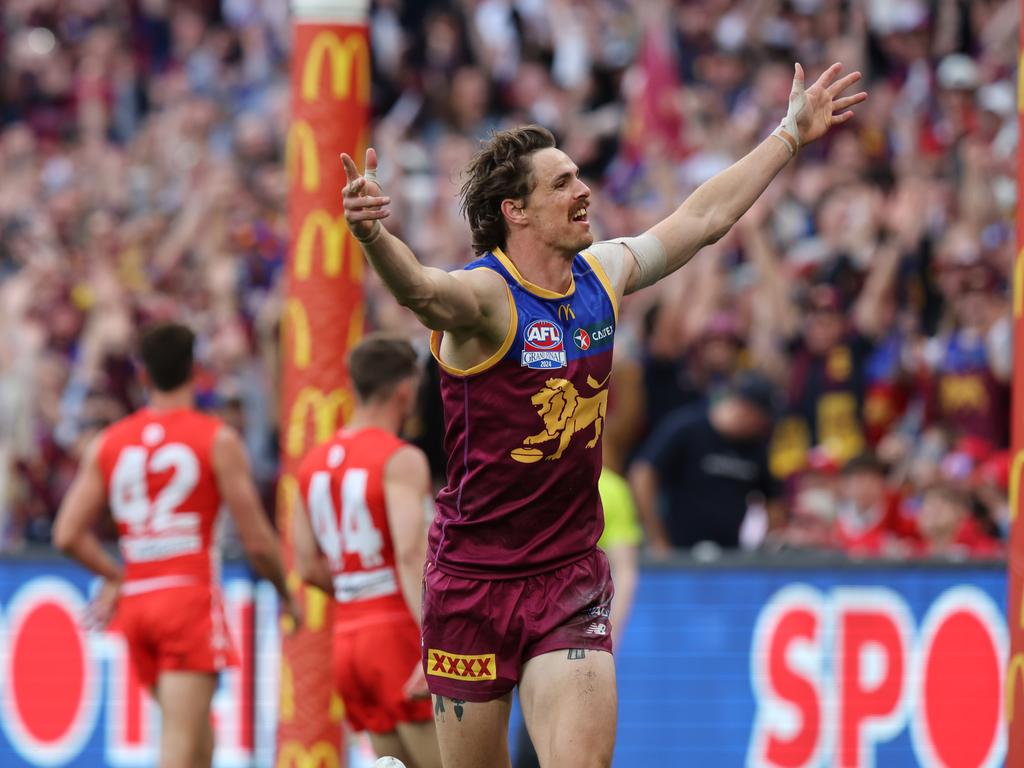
pixel 335 245
pixel 459 667
pixel 347 59
pixel 70 697
pixel 543 347
pixel 837 675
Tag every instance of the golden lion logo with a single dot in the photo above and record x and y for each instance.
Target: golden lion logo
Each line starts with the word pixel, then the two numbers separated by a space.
pixel 564 413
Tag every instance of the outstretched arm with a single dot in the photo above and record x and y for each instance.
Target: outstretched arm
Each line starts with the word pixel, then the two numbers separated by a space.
pixel 717 204
pixel 443 301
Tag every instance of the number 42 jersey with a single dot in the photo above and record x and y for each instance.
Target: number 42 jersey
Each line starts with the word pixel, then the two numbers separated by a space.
pixel 158 470
pixel 342 485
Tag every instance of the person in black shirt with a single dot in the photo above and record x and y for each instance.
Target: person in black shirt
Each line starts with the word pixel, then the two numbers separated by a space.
pixel 695 476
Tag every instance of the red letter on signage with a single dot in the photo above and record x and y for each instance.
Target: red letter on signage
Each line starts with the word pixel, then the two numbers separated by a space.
pixel 785 672
pixel 871 651
pixel 792 687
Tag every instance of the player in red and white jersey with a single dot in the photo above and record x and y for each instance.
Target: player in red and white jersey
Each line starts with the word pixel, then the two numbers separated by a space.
pixel 165 471
pixel 361 535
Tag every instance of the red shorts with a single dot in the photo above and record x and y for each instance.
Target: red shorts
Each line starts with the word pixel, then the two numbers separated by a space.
pixel 179 629
pixel 374 656
pixel 477 634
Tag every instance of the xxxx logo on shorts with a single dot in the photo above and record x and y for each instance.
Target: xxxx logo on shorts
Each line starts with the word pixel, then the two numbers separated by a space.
pixel 459 667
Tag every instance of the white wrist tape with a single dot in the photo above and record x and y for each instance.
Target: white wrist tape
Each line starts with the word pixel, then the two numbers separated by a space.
pixel 371 176
pixel 375 231
pixel 787 130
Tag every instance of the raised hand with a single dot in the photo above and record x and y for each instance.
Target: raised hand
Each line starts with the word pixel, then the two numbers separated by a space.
pixel 364 201
pixel 823 104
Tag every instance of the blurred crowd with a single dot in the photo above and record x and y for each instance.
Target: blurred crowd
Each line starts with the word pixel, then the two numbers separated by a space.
pixel 838 365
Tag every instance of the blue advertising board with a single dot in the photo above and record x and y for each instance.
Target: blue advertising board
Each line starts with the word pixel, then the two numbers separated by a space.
pixel 886 666
pixel 731 665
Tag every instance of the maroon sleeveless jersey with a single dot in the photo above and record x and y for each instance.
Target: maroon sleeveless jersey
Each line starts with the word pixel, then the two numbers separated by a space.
pixel 523 432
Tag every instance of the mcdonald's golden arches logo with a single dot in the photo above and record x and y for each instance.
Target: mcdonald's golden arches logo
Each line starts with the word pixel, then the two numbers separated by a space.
pixel 1014 675
pixel 356 322
pixel 294 583
pixel 1018 284
pixel 1015 471
pixel 315 608
pixel 294 754
pixel 332 234
pixel 328 412
pixel 287 498
pixel 565 313
pixel 300 150
pixel 1020 84
pixel 296 322
pixel 346 59
pixel 286 692
pixel 336 710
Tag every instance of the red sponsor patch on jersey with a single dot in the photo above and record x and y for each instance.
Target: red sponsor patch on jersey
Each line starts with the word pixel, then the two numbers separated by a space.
pixel 582 339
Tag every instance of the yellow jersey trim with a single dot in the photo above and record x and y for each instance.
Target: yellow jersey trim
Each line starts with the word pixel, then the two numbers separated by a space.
pixel 490 362
pixel 595 265
pixel 536 290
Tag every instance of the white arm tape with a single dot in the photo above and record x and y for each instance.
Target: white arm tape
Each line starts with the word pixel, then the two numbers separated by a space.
pixel 648 255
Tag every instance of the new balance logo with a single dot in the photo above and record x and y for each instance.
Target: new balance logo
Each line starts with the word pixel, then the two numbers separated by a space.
pixel 459 667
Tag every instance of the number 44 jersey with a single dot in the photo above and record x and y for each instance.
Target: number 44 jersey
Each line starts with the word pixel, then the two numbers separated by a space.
pixel 158 471
pixel 342 484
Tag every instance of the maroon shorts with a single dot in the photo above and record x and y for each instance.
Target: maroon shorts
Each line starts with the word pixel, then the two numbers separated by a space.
pixel 478 633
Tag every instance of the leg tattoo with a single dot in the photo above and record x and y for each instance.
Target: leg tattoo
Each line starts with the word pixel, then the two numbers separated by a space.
pixel 575 654
pixel 458 708
pixel 439 707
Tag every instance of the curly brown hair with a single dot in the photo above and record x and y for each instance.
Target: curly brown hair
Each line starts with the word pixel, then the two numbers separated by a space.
pixel 500 170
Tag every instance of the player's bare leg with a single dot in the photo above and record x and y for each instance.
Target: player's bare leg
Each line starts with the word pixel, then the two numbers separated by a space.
pixel 473 734
pixel 569 704
pixel 390 744
pixel 204 757
pixel 420 741
pixel 184 699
